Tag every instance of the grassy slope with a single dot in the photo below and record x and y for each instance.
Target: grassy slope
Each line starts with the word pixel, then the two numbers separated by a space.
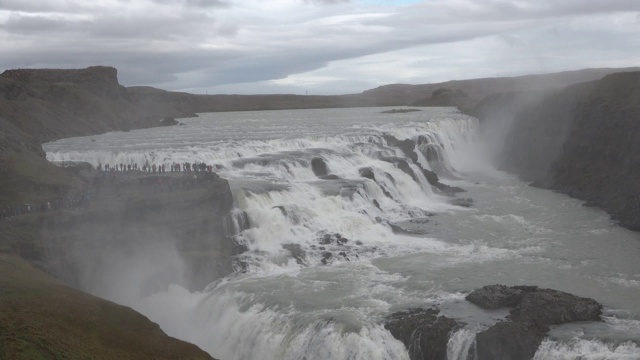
pixel 43 319
pixel 28 178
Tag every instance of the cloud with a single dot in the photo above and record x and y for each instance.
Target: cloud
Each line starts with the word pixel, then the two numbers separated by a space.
pixel 329 2
pixel 195 3
pixel 207 44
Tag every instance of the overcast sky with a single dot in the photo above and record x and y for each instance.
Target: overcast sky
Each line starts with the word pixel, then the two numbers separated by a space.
pixel 316 46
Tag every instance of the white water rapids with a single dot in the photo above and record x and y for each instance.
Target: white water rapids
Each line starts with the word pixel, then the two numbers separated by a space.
pixel 292 301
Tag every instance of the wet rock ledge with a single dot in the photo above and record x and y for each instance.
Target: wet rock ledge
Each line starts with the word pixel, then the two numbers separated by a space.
pixel 533 311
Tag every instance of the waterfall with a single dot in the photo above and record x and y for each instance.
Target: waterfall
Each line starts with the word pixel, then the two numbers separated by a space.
pixel 587 349
pixel 461 345
pixel 307 286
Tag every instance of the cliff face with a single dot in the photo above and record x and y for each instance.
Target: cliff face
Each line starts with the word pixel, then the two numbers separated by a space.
pixel 600 161
pixel 131 234
pixel 583 140
pixel 99 80
pixel 537 136
pixel 52 104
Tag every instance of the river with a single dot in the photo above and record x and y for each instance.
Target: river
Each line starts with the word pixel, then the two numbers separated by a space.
pixel 293 301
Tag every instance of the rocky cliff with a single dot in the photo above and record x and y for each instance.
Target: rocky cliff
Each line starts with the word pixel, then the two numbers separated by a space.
pixel 583 140
pixel 140 232
pixel 115 235
pixel 600 161
pixel 99 80
pixel 52 104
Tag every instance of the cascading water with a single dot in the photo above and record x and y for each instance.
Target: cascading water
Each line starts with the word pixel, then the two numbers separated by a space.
pixel 461 345
pixel 328 257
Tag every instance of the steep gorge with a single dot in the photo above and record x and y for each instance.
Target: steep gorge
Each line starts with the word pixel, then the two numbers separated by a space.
pixel 583 140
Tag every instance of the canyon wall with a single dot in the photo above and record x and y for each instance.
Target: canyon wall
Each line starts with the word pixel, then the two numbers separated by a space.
pixel 582 140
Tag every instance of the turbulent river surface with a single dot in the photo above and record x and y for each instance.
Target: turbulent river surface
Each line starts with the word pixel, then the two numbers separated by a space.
pixel 292 301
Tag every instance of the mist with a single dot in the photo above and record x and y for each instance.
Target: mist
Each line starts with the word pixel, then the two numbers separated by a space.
pixel 138 264
pixel 138 233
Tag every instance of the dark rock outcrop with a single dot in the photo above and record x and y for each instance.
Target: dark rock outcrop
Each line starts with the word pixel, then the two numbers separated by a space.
pixel 399 111
pixel 330 177
pixel 335 247
pixel 600 161
pixel 367 173
pixel 509 341
pixel 464 202
pixel 533 311
pixel 335 238
pixel 168 121
pixel 498 296
pixel 423 332
pixel 319 167
pixel 408 149
pixel 99 80
pixel 296 251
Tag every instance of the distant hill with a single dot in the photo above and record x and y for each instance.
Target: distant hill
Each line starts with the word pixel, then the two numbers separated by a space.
pixel 468 93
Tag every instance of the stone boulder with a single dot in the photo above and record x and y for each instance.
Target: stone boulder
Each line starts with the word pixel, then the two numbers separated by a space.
pixel 168 121
pixel 497 296
pixel 533 311
pixel 319 167
pixel 423 332
pixel 367 172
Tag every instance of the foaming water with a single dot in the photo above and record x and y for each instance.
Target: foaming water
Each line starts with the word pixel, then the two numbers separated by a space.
pixel 461 345
pixel 587 350
pixel 329 258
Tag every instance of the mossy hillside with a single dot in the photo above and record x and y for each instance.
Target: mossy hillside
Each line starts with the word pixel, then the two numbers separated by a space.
pixel 27 177
pixel 41 318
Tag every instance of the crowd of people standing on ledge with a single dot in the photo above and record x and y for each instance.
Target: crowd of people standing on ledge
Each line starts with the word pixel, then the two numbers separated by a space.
pixel 158 185
pixel 153 168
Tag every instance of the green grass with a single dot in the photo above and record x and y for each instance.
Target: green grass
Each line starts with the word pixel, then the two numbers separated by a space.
pixel 29 178
pixel 41 318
